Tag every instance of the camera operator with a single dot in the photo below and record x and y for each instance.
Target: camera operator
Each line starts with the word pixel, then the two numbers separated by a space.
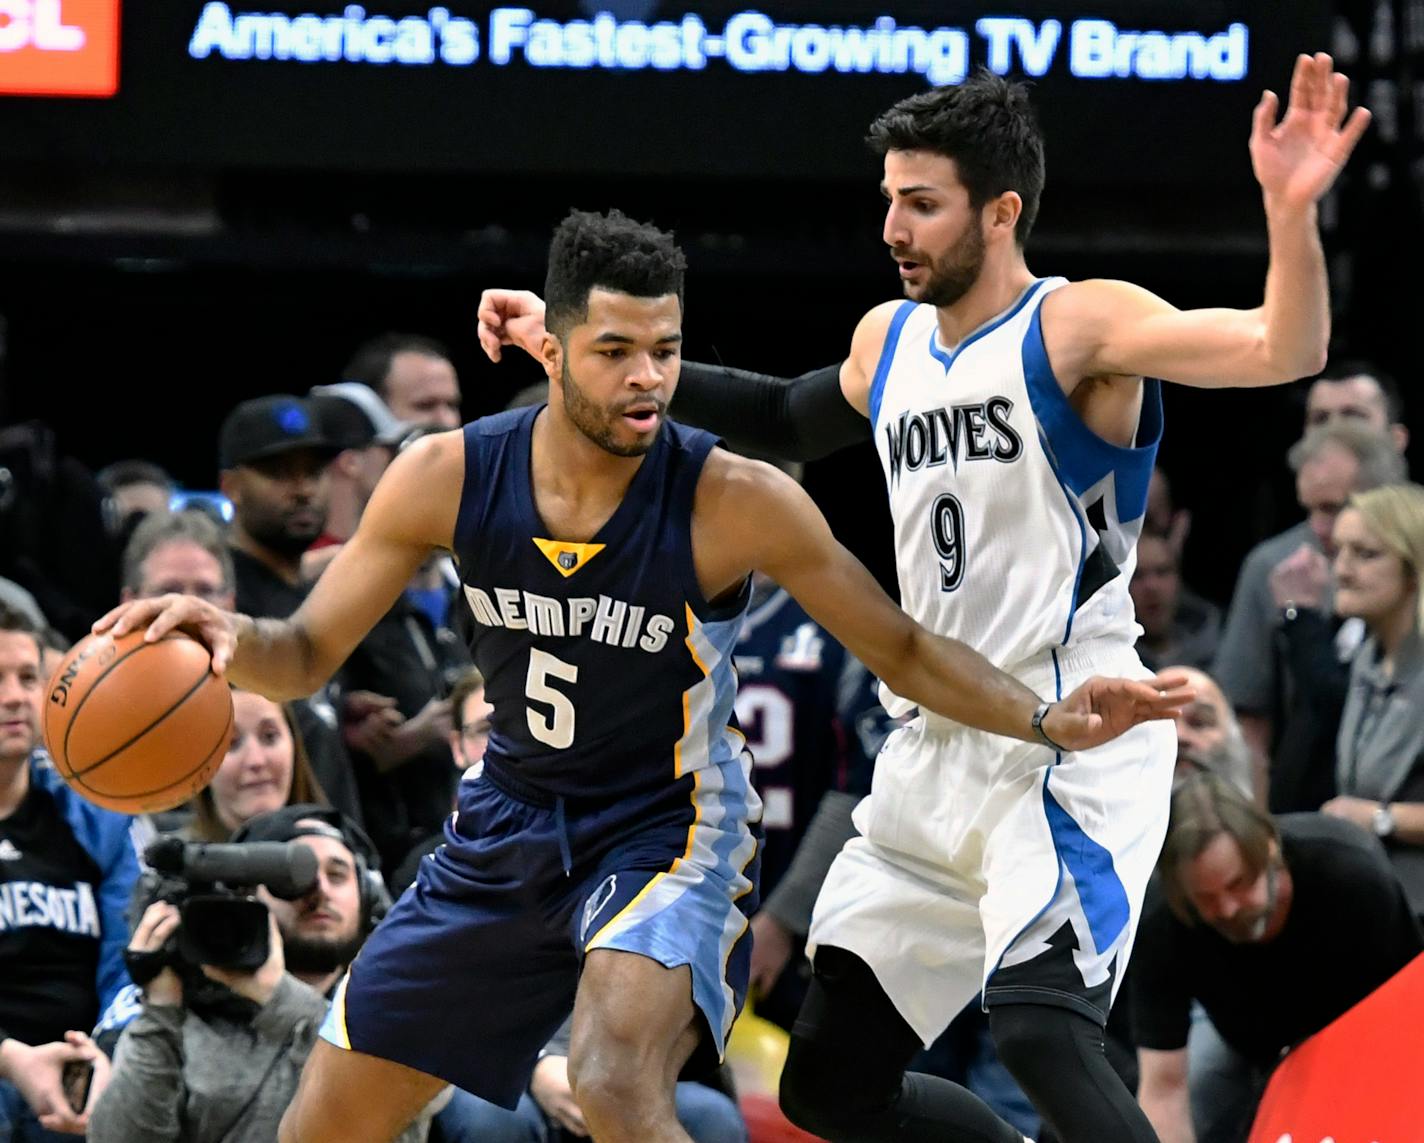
pixel 216 1052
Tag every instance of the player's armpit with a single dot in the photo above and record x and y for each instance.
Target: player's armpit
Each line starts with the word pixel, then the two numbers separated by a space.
pixel 1104 328
pixel 412 512
pixel 866 345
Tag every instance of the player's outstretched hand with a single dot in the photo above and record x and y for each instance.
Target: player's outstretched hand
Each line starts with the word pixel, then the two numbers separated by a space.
pixel 1297 159
pixel 214 628
pixel 1101 709
pixel 511 317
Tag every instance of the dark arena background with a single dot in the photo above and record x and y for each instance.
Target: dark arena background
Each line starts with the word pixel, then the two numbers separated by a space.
pixel 267 185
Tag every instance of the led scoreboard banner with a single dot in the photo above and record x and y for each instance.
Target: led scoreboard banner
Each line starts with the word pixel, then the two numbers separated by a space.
pixel 1130 91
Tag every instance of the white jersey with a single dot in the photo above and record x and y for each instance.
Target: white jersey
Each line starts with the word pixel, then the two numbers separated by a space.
pixel 1015 525
pixel 984 864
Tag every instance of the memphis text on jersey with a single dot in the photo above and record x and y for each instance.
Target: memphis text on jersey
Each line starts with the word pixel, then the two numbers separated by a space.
pixel 613 622
pixel 978 431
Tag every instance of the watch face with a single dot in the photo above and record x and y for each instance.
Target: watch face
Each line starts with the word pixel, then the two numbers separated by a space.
pixel 1383 822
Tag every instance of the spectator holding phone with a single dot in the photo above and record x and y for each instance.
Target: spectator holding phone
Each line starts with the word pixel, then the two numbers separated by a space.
pixel 66 871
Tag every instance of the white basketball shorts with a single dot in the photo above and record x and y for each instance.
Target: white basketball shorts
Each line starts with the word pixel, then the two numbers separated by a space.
pixel 988 865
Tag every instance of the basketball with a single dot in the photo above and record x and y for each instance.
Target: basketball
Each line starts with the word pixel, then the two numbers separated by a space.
pixel 137 727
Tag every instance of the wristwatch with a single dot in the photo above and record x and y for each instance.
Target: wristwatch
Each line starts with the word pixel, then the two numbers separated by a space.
pixel 1036 723
pixel 1383 822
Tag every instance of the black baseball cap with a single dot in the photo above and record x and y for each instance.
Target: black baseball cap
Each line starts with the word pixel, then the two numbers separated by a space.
pixel 284 825
pixel 269 426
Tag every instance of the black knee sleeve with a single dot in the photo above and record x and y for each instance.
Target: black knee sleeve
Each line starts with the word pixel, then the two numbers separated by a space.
pixel 849 1050
pixel 1057 1056
pixel 1039 1038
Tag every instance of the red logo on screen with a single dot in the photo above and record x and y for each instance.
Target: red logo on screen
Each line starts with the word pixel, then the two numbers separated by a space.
pixel 59 47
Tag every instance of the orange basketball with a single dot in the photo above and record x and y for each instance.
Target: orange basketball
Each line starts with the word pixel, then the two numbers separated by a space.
pixel 134 726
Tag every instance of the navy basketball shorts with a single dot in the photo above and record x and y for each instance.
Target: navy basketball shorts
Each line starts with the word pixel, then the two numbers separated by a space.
pixel 475 967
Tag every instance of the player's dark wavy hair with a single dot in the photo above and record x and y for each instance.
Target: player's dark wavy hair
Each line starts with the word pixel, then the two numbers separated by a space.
pixel 609 251
pixel 987 126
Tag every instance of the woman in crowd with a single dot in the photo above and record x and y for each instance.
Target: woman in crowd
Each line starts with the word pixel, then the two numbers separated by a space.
pixel 266 767
pixel 1379 540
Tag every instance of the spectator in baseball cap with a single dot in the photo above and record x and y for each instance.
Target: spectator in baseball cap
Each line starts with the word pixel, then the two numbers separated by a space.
pixel 354 417
pixel 274 453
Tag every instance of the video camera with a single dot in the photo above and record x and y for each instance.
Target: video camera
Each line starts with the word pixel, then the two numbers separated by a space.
pixel 221 923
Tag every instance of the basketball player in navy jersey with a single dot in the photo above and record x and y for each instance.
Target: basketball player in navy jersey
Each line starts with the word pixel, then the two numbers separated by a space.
pixel 1017 434
pixel 606 858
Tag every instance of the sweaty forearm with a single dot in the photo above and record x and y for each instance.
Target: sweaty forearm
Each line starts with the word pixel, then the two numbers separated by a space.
pixel 275 658
pixel 803 418
pixel 956 682
pixel 1296 310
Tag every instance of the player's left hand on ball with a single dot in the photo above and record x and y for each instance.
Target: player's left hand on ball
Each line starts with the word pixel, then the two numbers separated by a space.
pixel 214 628
pixel 1101 708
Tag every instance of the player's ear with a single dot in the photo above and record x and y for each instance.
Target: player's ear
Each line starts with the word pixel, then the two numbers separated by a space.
pixel 230 485
pixel 1003 212
pixel 551 353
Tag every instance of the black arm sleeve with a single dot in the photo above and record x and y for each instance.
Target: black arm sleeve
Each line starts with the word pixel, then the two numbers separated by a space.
pixel 804 418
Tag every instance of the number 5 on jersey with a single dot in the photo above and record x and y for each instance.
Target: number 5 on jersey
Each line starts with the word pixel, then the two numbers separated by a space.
pixel 542 667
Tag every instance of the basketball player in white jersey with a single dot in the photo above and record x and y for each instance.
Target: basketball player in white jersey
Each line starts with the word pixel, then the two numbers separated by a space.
pixel 1017 434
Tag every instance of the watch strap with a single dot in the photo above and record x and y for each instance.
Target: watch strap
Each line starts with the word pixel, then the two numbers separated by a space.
pixel 1036 723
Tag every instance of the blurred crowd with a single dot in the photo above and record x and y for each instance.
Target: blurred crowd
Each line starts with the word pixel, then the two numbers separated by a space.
pixel 1290 886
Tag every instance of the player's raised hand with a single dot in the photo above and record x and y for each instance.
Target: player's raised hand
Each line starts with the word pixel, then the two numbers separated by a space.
pixel 1297 159
pixel 214 628
pixel 1101 709
pixel 510 317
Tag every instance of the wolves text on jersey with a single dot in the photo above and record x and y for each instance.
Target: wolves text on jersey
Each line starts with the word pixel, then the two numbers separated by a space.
pixel 613 622
pixel 979 431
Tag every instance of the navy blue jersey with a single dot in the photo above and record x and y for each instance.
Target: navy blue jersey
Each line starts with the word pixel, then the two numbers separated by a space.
pixel 608 671
pixel 812 719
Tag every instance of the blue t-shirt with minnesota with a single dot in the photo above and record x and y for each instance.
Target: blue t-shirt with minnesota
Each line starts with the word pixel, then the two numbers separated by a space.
pixel 608 671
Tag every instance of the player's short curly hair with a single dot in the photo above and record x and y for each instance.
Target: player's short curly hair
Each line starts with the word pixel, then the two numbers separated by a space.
pixel 987 126
pixel 612 252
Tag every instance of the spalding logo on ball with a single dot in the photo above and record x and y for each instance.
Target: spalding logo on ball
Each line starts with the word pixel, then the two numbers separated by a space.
pixel 137 727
